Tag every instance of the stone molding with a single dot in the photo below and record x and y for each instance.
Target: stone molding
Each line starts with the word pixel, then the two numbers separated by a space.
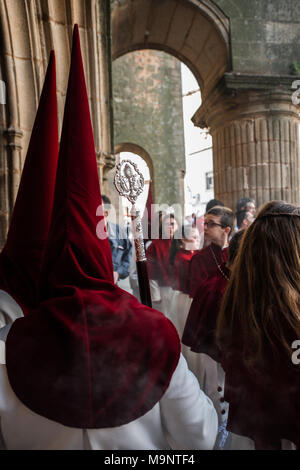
pixel 233 99
pixel 14 138
pixel 255 140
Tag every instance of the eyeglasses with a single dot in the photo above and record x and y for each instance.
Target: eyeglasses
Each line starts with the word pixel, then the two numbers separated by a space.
pixel 212 224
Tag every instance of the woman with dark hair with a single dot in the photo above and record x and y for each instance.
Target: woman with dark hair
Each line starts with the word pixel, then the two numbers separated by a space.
pixel 258 323
pixel 200 336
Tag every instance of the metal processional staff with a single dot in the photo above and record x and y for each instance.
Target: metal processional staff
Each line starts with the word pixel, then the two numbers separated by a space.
pixel 129 182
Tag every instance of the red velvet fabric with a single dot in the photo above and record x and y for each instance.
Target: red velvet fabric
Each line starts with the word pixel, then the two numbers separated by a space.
pixel 263 403
pixel 90 355
pixel 200 328
pixel 22 256
pixel 203 266
pixel 158 262
pixel 181 269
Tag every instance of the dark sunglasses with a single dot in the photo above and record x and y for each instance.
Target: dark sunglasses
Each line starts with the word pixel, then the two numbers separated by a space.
pixel 212 224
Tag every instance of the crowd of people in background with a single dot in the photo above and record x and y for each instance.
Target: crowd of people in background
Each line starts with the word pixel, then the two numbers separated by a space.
pixel 191 267
pixel 193 273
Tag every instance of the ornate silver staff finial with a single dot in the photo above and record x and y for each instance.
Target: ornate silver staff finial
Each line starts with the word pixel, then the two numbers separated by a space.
pixel 129 182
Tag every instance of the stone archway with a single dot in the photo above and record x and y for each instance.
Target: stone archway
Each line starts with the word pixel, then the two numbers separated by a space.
pixel 252 120
pixel 196 32
pixel 137 149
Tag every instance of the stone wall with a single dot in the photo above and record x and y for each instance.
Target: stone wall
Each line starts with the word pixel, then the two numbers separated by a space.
pixel 29 30
pixel 148 113
pixel 265 35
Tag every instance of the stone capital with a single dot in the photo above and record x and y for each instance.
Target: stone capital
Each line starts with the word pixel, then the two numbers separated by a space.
pixel 106 161
pixel 14 138
pixel 255 127
pixel 240 96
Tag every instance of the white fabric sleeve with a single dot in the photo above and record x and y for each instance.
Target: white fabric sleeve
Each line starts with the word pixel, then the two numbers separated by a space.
pixel 9 309
pixel 2 352
pixel 188 415
pixel 3 334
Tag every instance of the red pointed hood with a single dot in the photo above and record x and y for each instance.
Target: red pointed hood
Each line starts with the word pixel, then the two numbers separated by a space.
pixel 72 242
pixel 21 258
pixel 90 356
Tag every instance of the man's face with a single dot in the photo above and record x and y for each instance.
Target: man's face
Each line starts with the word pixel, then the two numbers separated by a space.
pixel 251 208
pixel 213 230
pixel 248 220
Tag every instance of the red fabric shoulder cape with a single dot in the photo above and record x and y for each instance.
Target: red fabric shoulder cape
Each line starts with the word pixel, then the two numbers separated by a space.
pixel 181 270
pixel 98 359
pixel 203 266
pixel 200 328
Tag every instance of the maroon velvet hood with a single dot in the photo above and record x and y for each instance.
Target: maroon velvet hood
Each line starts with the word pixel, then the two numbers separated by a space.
pixel 22 256
pixel 90 355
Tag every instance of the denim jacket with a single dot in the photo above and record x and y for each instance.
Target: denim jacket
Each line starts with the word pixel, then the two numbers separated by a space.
pixel 121 249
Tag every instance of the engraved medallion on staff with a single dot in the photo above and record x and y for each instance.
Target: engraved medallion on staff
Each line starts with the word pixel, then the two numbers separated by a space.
pixel 128 180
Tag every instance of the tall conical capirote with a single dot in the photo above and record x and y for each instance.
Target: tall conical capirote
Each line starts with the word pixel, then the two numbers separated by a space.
pixel 77 196
pixel 22 256
pixel 90 355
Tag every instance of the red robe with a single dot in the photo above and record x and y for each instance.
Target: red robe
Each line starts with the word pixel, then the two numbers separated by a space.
pixel 181 269
pixel 200 327
pixel 203 266
pixel 158 262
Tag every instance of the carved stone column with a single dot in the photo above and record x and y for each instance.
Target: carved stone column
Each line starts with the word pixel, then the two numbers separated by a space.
pixel 106 159
pixel 14 145
pixel 10 174
pixel 254 127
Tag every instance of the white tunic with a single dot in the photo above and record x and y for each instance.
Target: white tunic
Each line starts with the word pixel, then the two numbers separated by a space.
pixel 178 312
pixel 9 309
pixel 184 419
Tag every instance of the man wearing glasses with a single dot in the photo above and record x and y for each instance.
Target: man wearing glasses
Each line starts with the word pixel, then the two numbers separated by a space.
pixel 218 225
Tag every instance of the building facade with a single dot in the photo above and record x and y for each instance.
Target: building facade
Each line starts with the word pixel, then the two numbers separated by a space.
pixel 244 55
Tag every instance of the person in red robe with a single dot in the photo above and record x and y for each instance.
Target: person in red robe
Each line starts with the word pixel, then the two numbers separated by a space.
pixel 200 328
pixel 181 253
pixel 218 226
pixel 259 328
pixel 158 264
